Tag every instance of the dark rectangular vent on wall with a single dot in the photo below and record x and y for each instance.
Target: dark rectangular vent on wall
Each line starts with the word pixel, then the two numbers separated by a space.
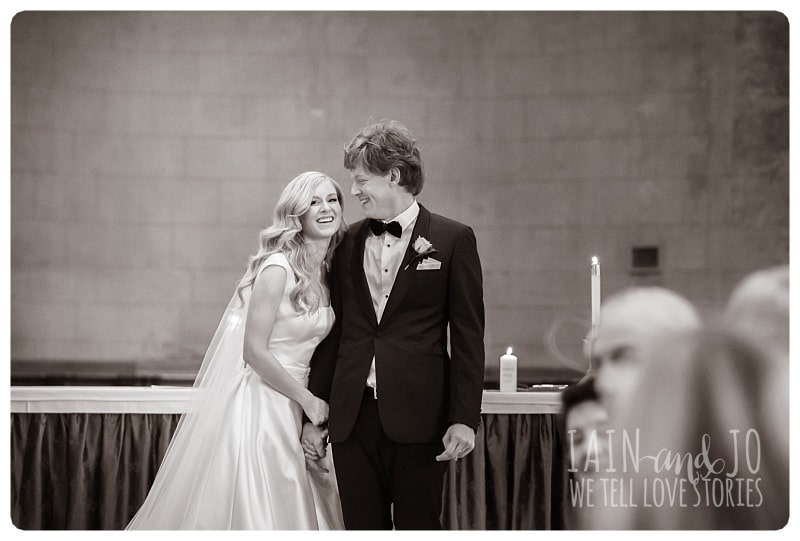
pixel 645 261
pixel 644 257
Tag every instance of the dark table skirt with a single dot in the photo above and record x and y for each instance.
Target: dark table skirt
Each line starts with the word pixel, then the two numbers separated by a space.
pixel 87 471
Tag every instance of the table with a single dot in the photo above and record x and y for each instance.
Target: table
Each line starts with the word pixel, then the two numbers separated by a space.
pixel 84 458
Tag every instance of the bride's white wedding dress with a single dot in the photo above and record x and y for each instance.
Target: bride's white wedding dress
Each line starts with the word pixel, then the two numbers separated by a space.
pixel 237 463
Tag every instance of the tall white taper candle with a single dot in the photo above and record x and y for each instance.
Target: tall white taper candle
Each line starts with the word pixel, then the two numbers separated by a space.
pixel 595 295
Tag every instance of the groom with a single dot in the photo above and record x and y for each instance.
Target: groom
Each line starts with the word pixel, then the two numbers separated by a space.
pixel 405 283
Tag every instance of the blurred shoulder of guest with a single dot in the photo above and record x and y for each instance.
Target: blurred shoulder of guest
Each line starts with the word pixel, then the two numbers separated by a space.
pixel 701 409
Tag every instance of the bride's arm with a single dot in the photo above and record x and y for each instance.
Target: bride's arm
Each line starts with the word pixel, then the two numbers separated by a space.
pixel 261 314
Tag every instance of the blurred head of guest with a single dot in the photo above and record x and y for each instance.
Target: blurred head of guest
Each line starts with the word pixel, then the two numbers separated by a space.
pixel 584 417
pixel 629 322
pixel 758 311
pixel 700 399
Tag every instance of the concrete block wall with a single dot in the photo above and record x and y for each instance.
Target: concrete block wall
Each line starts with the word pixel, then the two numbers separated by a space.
pixel 148 149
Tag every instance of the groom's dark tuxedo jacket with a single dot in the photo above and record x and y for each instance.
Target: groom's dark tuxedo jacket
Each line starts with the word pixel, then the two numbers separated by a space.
pixel 422 388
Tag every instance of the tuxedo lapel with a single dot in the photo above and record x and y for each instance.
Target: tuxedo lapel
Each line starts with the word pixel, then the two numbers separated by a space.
pixel 358 276
pixel 405 275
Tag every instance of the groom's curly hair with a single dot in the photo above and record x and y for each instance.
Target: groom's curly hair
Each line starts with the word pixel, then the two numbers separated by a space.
pixel 385 145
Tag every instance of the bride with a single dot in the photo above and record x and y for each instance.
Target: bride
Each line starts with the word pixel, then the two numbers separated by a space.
pixel 235 461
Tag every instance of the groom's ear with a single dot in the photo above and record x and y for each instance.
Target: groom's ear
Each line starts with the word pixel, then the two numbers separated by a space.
pixel 394 175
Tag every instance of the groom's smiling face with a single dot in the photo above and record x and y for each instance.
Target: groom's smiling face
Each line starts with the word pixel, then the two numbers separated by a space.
pixel 379 195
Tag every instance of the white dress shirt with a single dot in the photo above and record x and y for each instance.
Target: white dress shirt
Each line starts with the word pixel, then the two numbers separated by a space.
pixel 383 255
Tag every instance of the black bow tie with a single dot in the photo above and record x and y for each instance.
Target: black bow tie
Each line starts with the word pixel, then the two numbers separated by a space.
pixel 378 227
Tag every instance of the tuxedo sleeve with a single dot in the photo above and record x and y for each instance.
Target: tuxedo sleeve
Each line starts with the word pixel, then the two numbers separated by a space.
pixel 467 321
pixel 323 361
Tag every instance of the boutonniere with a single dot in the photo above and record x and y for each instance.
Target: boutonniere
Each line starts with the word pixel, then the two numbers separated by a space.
pixel 422 248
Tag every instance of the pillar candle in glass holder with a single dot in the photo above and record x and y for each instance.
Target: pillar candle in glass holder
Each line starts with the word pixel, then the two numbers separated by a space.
pixel 508 372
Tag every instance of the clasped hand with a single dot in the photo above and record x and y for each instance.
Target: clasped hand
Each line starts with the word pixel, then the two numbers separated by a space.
pixel 314 440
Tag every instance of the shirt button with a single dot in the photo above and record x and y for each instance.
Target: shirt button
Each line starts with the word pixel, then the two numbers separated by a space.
pixel 385 270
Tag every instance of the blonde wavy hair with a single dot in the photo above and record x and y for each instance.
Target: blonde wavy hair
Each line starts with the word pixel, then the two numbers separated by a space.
pixel 285 236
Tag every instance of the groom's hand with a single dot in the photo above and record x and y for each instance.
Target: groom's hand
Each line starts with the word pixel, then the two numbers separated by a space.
pixel 459 441
pixel 314 441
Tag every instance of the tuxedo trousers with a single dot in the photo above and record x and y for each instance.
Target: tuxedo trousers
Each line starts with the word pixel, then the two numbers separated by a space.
pixel 384 484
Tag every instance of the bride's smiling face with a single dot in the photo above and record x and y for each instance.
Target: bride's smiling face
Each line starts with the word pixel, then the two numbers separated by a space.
pixel 324 216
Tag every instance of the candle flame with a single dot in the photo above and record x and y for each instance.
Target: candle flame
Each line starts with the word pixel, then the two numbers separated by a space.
pixel 594 260
pixel 508 351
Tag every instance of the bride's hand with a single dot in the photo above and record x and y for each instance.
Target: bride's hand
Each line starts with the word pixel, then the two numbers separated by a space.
pixel 316 410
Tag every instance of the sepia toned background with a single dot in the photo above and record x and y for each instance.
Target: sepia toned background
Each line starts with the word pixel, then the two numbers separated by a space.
pixel 148 149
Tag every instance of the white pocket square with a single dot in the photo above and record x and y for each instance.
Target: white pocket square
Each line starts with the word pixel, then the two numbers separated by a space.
pixel 429 264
